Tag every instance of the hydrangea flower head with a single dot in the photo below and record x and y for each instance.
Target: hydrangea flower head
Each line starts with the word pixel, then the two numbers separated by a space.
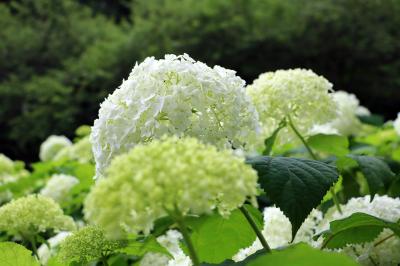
pixel 156 178
pixel 347 123
pixel 33 214
pixel 298 93
pixel 396 124
pixel 87 244
pixel 174 96
pixel 80 151
pixel 384 207
pixel 51 146
pixel 58 187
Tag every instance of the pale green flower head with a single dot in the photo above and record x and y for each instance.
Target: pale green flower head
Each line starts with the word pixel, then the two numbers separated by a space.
pixel 58 187
pixel 298 93
pixel 51 146
pixel 151 180
pixel 33 214
pixel 80 151
pixel 86 245
pixel 174 96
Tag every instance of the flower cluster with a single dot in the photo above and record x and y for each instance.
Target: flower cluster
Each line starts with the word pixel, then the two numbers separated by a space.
pixel 80 151
pixel 171 241
pixel 396 124
pixel 51 146
pixel 347 123
pixel 174 96
pixel 58 187
pixel 87 244
pixel 33 214
pixel 298 93
pixel 10 172
pixel 182 174
pixel 384 207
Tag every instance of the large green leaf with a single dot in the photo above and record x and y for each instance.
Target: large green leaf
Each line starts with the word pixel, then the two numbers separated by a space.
pixel 14 254
pixel 216 238
pixel 302 255
pixel 295 185
pixel 355 229
pixel 330 144
pixel 376 172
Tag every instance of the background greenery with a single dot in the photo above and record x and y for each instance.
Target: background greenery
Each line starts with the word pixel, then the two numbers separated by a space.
pixel 60 58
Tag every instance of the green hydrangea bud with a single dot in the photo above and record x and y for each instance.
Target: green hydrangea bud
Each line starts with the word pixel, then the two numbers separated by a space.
pixel 33 214
pixel 151 180
pixel 85 245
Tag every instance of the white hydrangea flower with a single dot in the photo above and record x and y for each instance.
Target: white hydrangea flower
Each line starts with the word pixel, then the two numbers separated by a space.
pixel 277 231
pixel 58 187
pixel 383 207
pixel 51 146
pixel 298 93
pixel 171 242
pixel 80 151
pixel 396 124
pixel 174 96
pixel 347 122
pixel 45 253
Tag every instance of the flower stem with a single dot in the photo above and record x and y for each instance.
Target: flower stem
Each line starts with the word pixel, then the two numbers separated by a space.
pixel 34 247
pixel 104 261
pixel 183 229
pixel 293 127
pixel 383 240
pixel 315 157
pixel 255 229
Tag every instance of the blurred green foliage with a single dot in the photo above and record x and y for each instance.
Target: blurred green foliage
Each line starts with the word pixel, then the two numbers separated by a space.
pixel 60 58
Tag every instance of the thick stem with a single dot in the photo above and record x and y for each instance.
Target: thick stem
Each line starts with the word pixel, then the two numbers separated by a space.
pixel 183 229
pixel 255 229
pixel 32 240
pixel 315 157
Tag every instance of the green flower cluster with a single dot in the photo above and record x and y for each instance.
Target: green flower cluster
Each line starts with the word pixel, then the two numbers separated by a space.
pixel 52 146
pixel 165 176
pixel 80 151
pixel 87 244
pixel 298 93
pixel 33 214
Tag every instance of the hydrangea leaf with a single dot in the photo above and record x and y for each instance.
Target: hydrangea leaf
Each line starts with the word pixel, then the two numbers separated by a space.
pixel 302 255
pixel 330 144
pixel 139 248
pixel 355 229
pixel 15 254
pixel 376 172
pixel 295 185
pixel 216 238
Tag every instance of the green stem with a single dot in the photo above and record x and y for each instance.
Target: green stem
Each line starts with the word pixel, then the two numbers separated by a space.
pixel 293 127
pixel 34 247
pixel 104 261
pixel 255 229
pixel 383 240
pixel 315 157
pixel 183 229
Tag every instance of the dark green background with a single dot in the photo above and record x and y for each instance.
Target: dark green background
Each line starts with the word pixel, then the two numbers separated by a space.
pixel 59 59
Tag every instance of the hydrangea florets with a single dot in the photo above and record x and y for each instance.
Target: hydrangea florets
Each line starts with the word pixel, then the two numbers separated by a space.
pixel 396 124
pixel 347 123
pixel 80 151
pixel 298 93
pixel 164 175
pixel 58 187
pixel 87 244
pixel 51 146
pixel 384 207
pixel 174 96
pixel 33 214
